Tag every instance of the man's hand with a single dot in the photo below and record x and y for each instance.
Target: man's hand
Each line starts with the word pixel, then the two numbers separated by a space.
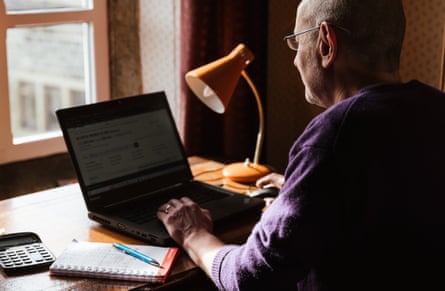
pixel 274 179
pixel 183 218
pixel 191 227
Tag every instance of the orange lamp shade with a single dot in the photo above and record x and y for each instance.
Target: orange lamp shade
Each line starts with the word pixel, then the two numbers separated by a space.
pixel 214 83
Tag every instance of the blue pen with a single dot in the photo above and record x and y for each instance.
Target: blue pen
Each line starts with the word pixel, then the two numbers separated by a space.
pixel 137 255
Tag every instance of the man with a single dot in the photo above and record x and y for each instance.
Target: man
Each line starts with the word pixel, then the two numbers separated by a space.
pixel 362 206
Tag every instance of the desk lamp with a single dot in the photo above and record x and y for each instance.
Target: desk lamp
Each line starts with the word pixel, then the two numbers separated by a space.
pixel 214 84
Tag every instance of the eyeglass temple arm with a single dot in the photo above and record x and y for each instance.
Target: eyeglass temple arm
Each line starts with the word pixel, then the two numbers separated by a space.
pixel 260 136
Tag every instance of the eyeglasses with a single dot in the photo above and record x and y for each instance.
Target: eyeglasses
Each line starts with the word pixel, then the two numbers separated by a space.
pixel 291 39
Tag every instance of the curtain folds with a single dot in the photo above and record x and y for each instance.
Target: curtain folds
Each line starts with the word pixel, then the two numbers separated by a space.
pixel 210 30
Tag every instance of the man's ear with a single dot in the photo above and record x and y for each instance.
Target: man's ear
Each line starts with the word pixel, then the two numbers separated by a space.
pixel 328 45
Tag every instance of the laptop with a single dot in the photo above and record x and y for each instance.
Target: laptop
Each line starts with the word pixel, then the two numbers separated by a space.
pixel 129 160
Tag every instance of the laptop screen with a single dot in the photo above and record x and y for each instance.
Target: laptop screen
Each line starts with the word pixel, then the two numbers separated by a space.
pixel 124 143
pixel 134 147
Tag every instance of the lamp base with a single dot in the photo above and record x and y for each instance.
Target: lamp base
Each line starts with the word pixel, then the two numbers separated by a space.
pixel 245 172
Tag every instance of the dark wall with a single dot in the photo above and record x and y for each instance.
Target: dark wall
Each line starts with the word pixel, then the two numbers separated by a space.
pixel 34 175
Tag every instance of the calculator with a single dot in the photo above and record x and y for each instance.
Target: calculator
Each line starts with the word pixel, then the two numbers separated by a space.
pixel 23 252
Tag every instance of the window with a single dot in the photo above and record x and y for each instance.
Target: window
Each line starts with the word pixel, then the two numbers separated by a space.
pixel 54 54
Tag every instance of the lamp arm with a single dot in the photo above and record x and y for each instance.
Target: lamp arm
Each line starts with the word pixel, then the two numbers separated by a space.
pixel 260 136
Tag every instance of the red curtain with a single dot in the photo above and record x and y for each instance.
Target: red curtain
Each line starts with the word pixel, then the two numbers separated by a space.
pixel 210 29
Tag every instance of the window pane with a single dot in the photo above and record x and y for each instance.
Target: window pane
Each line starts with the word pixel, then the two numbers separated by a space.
pixel 46 71
pixel 26 5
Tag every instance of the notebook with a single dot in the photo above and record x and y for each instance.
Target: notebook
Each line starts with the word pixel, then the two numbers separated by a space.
pixel 102 260
pixel 129 160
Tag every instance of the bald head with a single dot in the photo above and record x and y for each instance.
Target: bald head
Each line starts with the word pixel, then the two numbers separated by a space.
pixel 377 28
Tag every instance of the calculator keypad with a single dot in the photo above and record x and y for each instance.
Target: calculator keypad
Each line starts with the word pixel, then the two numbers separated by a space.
pixel 25 256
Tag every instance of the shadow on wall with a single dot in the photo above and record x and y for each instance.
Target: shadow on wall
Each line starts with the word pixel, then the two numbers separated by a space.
pixel 35 175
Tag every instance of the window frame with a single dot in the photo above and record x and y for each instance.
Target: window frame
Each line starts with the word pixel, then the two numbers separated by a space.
pixel 97 17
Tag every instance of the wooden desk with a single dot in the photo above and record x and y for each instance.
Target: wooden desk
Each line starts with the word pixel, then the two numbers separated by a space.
pixel 58 215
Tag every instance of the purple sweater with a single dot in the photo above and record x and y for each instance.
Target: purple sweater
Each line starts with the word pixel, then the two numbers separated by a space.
pixel 363 205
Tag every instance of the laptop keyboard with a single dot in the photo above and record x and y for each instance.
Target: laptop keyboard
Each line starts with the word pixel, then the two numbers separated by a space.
pixel 141 213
